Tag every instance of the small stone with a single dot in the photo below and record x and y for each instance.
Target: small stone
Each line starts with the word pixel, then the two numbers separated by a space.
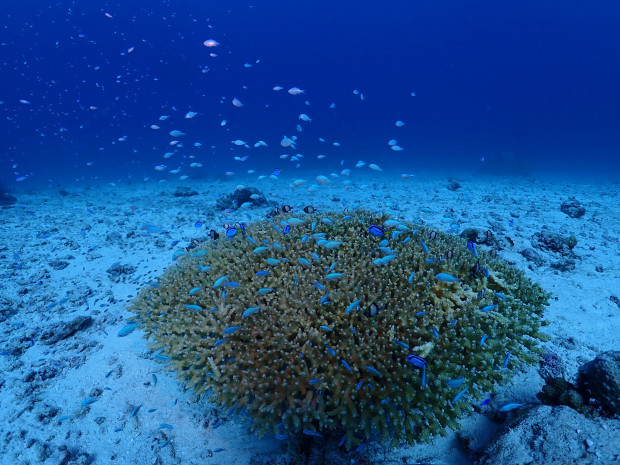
pixel 573 208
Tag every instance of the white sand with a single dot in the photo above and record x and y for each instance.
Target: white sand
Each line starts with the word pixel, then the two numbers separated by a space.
pixel 41 383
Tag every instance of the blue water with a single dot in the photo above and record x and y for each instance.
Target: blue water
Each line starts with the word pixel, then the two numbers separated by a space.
pixel 503 87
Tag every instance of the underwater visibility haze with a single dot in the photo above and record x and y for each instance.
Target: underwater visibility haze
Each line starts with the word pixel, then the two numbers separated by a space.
pixel 310 232
pixel 532 85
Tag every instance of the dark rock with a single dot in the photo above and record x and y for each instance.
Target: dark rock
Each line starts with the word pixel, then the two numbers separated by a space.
pixel 453 186
pixel 573 208
pixel 532 256
pixel 63 330
pixel 6 312
pixel 599 382
pixel 564 265
pixel 558 391
pixel 183 191
pixel 58 264
pixel 551 366
pixel 554 243
pixel 239 197
pixel 119 270
pixel 615 300
pixel 6 199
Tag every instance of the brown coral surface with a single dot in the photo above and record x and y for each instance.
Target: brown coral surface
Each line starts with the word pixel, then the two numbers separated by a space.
pixel 270 324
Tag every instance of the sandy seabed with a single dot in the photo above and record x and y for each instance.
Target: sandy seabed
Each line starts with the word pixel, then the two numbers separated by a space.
pixel 71 261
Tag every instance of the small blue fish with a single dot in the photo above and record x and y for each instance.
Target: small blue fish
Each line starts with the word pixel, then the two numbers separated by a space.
pixel 334 276
pixel 420 313
pixel 359 385
pixel 318 285
pixel 385 401
pixel 230 232
pixel 459 395
pixel 424 246
pixel 446 278
pixel 471 246
pixel 410 278
pixel 200 253
pixel 250 311
pixel 315 381
pixel 353 306
pixel 384 261
pixel 483 338
pixel 373 371
pixel 485 401
pixel 260 250
pixel 454 383
pixel 500 295
pixel 310 432
pixel 89 401
pixel 220 281
pixel 287 229
pixel 273 261
pixel 507 359
pixel 303 261
pixel 435 333
pixel 375 230
pixel 488 308
pixel 195 290
pixel 165 426
pixel 231 329
pixel 331 351
pixel 262 273
pixel 197 224
pixel 127 330
pixel 346 365
pixel 135 410
pixel 401 344
pixel 326 328
pixel 509 407
pixel 419 362
pixel 231 284
pixel 221 341
pixel 193 307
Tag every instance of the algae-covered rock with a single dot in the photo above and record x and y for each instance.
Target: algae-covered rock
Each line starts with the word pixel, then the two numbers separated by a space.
pixel 348 325
pixel 599 380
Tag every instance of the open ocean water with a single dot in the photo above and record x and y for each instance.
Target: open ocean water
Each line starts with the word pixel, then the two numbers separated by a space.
pixel 125 126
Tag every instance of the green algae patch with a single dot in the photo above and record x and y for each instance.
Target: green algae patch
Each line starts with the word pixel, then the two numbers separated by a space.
pixel 341 329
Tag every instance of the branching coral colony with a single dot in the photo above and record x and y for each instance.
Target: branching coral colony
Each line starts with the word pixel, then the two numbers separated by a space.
pixel 350 325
